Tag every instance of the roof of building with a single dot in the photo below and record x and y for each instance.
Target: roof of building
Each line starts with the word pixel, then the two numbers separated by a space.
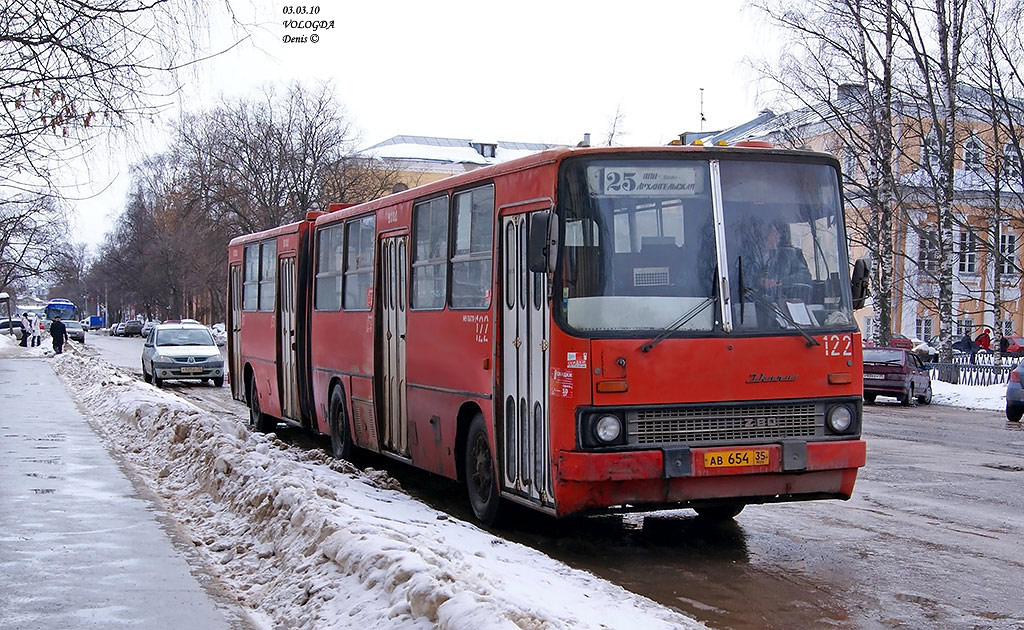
pixel 453 150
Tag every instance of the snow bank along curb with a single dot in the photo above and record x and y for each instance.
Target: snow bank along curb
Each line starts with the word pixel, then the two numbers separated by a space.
pixel 314 543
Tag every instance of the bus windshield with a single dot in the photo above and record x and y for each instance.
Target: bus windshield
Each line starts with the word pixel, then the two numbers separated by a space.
pixel 65 308
pixel 641 251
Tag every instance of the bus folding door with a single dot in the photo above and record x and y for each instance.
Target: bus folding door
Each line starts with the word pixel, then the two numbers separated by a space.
pixel 288 382
pixel 524 425
pixel 394 289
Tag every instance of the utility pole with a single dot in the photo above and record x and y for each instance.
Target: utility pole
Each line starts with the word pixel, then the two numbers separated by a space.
pixel 702 118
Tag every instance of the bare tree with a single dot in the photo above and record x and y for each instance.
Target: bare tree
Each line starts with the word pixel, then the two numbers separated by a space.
pixel 615 126
pixel 33 234
pixel 71 70
pixel 838 68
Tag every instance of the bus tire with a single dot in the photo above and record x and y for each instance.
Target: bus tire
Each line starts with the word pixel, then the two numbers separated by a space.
pixel 341 442
pixel 257 419
pixel 723 512
pixel 481 484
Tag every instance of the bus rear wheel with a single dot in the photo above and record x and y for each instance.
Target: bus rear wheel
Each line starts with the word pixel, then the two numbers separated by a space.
pixel 481 484
pixel 257 419
pixel 341 444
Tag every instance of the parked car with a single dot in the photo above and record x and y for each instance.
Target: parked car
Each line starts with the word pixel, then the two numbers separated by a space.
pixel 85 324
pixel 11 324
pixel 118 329
pixel 900 341
pixel 181 351
pixel 896 372
pixel 132 327
pixel 1016 347
pixel 1015 394
pixel 148 326
pixel 76 332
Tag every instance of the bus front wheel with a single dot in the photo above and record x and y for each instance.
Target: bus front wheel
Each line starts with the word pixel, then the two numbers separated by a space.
pixel 341 444
pixel 723 512
pixel 481 484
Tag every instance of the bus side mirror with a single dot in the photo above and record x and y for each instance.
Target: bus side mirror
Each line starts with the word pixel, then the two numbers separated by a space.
pixel 543 243
pixel 861 273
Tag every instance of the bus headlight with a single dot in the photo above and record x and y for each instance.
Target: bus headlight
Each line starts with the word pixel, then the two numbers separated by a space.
pixel 840 419
pixel 607 429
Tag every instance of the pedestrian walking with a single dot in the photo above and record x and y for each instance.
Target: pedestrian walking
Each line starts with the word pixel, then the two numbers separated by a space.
pixel 26 330
pixel 37 331
pixel 59 332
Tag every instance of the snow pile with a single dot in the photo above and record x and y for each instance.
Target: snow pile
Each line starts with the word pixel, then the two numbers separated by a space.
pixel 992 397
pixel 311 542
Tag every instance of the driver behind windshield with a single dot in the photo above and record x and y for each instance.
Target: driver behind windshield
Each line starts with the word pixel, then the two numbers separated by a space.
pixel 776 264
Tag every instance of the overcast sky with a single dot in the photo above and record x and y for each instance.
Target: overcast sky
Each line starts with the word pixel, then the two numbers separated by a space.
pixel 534 71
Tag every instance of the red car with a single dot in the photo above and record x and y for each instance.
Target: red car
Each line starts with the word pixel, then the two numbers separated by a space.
pixel 896 372
pixel 1016 347
pixel 900 341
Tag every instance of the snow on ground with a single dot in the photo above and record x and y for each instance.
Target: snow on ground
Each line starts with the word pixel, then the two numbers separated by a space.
pixel 310 542
pixel 970 397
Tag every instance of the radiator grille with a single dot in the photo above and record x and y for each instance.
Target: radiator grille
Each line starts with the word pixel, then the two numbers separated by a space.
pixel 688 425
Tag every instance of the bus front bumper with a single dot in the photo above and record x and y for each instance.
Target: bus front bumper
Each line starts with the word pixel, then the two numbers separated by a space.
pixel 790 471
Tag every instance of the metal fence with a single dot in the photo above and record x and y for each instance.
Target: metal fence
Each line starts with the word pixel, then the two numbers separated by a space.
pixel 985 369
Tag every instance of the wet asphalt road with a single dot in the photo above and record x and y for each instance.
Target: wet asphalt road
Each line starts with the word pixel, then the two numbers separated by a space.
pixel 931 538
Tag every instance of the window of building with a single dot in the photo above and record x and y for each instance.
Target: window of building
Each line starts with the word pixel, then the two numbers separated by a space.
pixel 923 328
pixel 974 154
pixel 1011 164
pixel 486 149
pixel 1007 327
pixel 1007 254
pixel 965 327
pixel 849 163
pixel 328 268
pixel 930 151
pixel 430 254
pixel 869 328
pixel 471 259
pixel 968 252
pixel 251 283
pixel 928 251
pixel 359 239
pixel 268 274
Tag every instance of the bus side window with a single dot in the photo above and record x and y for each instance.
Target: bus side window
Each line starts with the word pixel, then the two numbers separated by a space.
pixel 471 262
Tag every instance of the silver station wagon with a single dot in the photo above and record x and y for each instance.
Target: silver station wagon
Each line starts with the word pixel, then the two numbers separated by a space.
pixel 181 352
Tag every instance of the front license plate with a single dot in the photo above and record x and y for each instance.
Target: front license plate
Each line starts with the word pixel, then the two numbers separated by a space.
pixel 744 457
pixel 191 370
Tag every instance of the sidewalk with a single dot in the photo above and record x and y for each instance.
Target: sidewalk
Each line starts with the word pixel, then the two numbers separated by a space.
pixel 79 546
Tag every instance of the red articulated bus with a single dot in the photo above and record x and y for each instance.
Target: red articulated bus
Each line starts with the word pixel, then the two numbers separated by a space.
pixel 581 330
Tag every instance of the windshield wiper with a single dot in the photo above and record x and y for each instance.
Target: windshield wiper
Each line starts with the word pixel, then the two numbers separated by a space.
pixel 693 312
pixel 760 299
